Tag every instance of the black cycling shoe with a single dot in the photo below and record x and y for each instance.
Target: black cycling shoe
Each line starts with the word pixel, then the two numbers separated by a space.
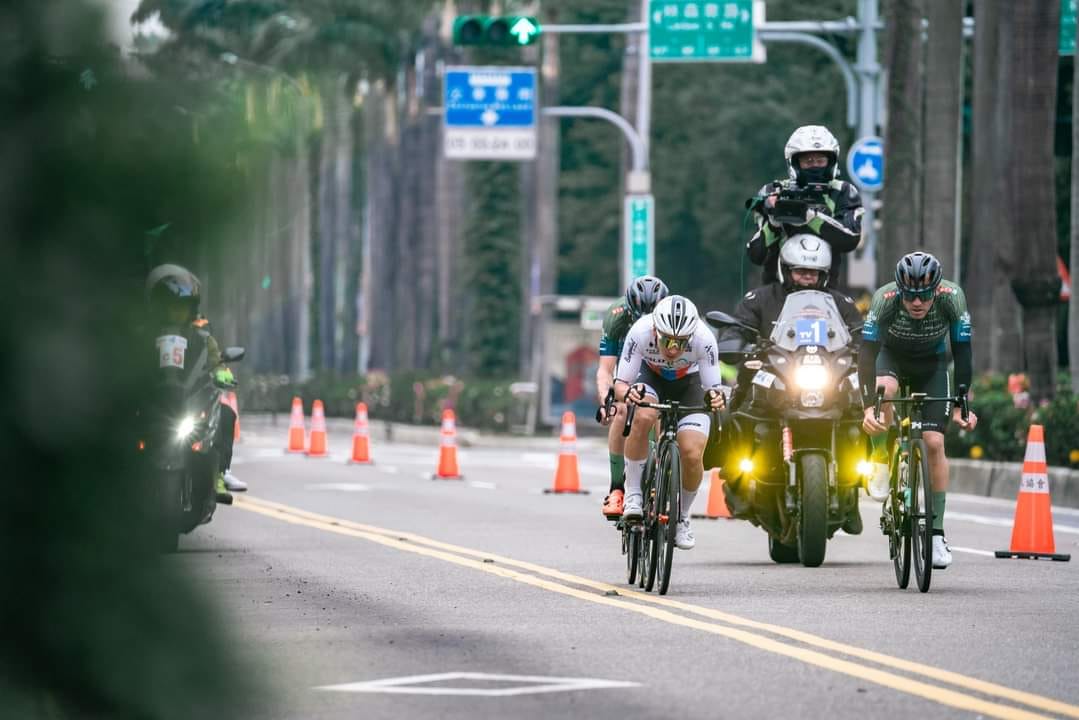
pixel 224 498
pixel 853 524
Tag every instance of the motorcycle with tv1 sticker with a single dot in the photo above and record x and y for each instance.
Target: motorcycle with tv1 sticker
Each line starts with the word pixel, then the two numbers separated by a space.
pixel 178 424
pixel 792 451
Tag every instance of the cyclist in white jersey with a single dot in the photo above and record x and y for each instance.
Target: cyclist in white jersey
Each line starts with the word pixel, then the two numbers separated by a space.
pixel 669 355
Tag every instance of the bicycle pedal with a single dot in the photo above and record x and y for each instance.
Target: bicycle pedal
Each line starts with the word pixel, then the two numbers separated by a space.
pixel 613 518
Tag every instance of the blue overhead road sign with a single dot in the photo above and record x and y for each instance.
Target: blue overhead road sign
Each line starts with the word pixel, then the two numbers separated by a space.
pixel 865 163
pixel 489 113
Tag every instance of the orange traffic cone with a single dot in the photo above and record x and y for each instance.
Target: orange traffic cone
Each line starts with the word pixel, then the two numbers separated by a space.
pixel 717 504
pixel 317 447
pixel 361 453
pixel 296 434
pixel 229 399
pixel 567 478
pixel 447 452
pixel 1032 530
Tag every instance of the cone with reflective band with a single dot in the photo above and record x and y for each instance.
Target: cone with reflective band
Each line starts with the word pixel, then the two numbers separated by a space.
pixel 318 431
pixel 361 452
pixel 297 442
pixel 229 399
pixel 447 451
pixel 567 478
pixel 1032 530
pixel 717 503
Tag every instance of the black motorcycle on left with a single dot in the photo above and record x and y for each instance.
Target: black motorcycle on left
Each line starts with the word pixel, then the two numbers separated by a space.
pixel 178 440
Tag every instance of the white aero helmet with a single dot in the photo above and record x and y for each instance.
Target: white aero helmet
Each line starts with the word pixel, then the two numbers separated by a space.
pixel 807 252
pixel 811 138
pixel 675 316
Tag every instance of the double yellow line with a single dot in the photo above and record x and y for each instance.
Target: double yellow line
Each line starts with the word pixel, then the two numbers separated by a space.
pixel 743 630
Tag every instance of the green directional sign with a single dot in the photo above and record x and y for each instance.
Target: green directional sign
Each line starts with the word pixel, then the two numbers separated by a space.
pixel 1067 27
pixel 639 247
pixel 698 30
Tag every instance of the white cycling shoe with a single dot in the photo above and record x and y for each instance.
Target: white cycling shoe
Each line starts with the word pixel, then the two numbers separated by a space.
pixel 942 556
pixel 683 536
pixel 877 487
pixel 233 483
pixel 633 507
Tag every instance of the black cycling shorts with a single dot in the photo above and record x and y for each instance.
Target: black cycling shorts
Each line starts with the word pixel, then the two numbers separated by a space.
pixel 927 375
pixel 686 390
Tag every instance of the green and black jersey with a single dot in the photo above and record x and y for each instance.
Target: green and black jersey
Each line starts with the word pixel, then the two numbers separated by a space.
pixel 616 324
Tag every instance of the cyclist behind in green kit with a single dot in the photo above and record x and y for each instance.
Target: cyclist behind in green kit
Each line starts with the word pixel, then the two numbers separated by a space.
pixel 641 298
pixel 903 343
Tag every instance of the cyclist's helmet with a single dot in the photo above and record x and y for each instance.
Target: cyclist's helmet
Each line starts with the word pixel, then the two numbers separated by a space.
pixel 170 287
pixel 675 316
pixel 643 294
pixel 806 252
pixel 812 138
pixel 917 271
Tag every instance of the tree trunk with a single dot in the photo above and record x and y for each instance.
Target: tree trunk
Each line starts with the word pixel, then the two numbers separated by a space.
pixel 1073 303
pixel 1034 28
pixel 901 211
pixel 943 143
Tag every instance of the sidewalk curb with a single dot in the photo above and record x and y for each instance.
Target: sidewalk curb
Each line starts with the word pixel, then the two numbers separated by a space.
pixel 1001 480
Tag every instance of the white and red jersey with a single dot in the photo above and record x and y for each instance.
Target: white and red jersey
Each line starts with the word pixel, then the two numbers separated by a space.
pixel 640 346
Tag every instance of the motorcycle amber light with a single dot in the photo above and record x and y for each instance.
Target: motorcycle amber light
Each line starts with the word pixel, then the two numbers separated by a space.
pixel 196 446
pixel 142 445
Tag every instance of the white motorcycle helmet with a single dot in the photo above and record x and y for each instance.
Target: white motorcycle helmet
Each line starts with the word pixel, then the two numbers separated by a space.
pixel 812 138
pixel 804 252
pixel 675 316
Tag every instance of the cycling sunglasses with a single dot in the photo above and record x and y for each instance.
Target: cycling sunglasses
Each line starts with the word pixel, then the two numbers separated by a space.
pixel 672 343
pixel 923 295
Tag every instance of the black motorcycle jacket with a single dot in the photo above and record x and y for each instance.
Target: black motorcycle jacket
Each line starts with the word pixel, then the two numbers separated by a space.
pixel 838 222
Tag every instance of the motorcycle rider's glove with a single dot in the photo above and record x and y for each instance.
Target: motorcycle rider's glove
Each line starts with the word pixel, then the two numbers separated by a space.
pixel 224 376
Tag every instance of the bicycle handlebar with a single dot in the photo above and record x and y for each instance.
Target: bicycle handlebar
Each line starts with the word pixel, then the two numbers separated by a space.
pixel 960 399
pixel 687 409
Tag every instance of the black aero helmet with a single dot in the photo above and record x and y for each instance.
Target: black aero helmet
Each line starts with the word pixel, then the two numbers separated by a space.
pixel 917 271
pixel 643 293
pixel 169 286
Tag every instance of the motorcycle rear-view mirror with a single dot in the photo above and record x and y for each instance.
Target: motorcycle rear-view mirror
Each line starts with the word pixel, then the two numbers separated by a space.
pixel 718 319
pixel 233 354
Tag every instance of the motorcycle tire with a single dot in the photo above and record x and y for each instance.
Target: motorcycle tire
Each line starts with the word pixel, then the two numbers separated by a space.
pixel 780 553
pixel 813 519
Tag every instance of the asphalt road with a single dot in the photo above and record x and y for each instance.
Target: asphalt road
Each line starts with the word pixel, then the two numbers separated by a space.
pixel 376 592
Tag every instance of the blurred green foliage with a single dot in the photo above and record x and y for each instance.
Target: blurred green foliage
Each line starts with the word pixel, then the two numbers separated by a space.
pixel 102 176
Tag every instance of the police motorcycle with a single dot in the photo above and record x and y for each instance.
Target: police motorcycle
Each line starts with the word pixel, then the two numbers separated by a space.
pixel 179 423
pixel 792 448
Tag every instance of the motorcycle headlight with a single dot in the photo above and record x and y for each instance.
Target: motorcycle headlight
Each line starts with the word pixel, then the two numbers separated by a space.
pixel 185 428
pixel 811 377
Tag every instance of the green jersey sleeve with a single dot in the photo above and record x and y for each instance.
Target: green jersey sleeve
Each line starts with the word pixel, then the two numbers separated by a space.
pixel 616 324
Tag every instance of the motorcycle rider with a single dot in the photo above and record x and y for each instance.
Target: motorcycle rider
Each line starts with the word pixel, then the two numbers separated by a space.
pixel 804 264
pixel 812 156
pixel 173 294
pixel 640 299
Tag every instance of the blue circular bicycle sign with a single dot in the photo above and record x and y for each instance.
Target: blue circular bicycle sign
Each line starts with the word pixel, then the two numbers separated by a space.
pixel 865 163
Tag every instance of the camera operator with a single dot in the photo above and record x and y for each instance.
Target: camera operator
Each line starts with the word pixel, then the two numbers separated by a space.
pixel 813 200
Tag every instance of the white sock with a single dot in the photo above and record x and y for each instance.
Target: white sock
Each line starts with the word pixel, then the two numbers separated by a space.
pixel 634 471
pixel 687 502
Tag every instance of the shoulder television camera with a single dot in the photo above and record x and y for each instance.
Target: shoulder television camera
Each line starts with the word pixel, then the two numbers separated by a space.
pixel 792 203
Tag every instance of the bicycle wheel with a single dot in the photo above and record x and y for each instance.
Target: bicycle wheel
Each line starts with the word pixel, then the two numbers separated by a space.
pixel 668 503
pixel 899 530
pixel 631 548
pixel 921 517
pixel 646 570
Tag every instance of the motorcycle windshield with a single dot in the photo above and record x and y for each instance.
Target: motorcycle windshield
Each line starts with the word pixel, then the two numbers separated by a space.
pixel 810 317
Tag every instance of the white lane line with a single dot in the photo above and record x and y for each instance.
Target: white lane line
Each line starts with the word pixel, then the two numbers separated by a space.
pixel 525 685
pixel 1001 522
pixel 972 551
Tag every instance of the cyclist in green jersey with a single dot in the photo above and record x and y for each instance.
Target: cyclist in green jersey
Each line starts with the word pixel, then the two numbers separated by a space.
pixel 640 299
pixel 904 342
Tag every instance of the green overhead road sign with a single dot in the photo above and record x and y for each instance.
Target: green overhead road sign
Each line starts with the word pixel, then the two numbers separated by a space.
pixel 496 31
pixel 1067 27
pixel 639 247
pixel 699 30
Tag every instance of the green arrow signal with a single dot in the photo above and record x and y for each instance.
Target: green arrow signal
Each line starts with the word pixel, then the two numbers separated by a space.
pixel 524 30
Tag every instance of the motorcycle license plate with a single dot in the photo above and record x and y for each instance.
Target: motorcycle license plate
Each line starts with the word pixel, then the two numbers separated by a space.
pixel 171 350
pixel 811 332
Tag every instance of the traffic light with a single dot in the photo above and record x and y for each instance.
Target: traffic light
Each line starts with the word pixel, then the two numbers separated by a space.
pixel 495 31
